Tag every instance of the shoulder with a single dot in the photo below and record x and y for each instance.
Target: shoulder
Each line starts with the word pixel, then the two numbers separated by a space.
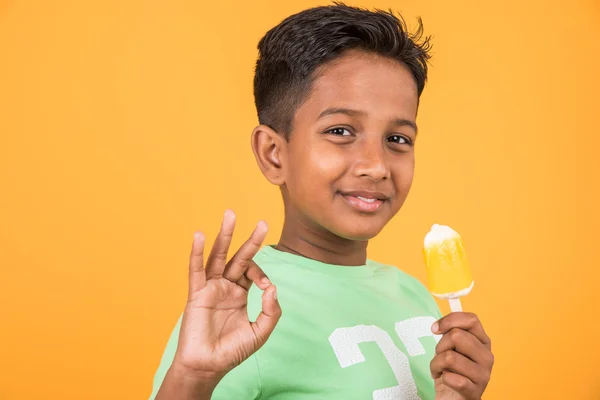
pixel 280 266
pixel 264 258
pixel 401 277
pixel 412 288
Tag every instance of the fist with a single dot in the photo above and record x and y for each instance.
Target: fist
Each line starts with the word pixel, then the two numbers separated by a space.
pixel 463 360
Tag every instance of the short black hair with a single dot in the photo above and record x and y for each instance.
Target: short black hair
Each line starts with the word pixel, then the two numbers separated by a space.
pixel 291 53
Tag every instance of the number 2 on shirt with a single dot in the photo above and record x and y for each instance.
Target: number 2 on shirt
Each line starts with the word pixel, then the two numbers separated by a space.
pixel 345 343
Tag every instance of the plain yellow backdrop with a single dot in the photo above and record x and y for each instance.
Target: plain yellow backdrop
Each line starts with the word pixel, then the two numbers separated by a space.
pixel 125 126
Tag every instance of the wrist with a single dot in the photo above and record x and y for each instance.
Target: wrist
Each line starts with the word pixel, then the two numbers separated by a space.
pixel 200 383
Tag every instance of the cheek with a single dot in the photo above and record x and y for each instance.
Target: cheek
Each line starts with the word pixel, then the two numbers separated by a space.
pixel 403 173
pixel 326 160
pixel 316 167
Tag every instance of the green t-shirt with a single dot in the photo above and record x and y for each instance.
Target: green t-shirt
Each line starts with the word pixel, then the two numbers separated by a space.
pixel 361 332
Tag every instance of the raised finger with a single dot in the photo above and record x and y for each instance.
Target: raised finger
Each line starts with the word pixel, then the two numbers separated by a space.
pixel 242 260
pixel 197 277
pixel 218 255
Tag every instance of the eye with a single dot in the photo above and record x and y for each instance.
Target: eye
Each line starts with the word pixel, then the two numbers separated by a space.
pixel 399 139
pixel 339 132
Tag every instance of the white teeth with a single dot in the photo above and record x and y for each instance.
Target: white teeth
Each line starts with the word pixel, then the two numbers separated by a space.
pixel 366 200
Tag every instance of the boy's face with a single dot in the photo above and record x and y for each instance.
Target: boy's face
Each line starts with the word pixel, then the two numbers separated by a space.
pixel 350 157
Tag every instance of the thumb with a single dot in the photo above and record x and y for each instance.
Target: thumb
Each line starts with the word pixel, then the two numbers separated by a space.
pixel 268 317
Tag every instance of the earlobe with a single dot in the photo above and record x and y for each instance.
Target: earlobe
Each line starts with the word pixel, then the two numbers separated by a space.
pixel 269 150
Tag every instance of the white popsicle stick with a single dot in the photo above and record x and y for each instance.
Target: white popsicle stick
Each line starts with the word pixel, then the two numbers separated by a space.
pixel 455 305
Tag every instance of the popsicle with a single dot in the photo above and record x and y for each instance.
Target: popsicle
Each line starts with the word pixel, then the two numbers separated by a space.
pixel 448 271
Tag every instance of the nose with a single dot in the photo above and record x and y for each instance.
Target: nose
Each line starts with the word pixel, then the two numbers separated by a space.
pixel 371 162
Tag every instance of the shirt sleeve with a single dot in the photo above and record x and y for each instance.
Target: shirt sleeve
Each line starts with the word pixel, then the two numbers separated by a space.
pixel 242 382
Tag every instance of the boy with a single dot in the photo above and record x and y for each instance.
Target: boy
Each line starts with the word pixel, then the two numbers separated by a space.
pixel 337 90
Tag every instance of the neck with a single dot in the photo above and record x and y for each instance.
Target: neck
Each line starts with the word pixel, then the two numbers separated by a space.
pixel 308 240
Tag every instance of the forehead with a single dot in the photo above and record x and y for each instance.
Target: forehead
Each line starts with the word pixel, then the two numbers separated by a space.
pixel 377 85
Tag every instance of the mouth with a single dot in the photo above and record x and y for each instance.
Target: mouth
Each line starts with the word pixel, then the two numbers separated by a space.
pixel 365 201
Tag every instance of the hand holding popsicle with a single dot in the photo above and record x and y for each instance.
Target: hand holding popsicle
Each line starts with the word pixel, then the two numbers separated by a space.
pixel 463 361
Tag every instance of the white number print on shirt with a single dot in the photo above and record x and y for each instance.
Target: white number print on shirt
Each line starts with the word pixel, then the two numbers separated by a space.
pixel 345 343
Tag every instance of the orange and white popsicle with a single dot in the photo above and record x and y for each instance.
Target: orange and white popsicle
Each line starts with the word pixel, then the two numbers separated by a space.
pixel 448 271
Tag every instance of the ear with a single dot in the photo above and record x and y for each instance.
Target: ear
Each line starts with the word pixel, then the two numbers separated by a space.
pixel 270 149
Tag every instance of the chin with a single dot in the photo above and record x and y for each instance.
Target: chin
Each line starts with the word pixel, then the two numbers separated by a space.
pixel 359 232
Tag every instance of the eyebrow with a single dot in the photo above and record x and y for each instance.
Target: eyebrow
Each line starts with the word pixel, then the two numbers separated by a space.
pixel 353 113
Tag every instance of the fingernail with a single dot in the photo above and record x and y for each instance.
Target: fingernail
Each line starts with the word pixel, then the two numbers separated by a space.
pixel 275 293
pixel 262 225
pixel 266 281
pixel 435 327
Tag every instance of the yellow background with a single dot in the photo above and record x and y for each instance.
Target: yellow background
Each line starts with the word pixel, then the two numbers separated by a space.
pixel 125 126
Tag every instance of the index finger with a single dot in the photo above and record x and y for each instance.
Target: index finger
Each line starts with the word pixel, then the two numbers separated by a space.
pixel 242 260
pixel 255 274
pixel 462 320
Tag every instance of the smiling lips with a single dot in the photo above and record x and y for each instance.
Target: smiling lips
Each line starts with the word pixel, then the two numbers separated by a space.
pixel 365 201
